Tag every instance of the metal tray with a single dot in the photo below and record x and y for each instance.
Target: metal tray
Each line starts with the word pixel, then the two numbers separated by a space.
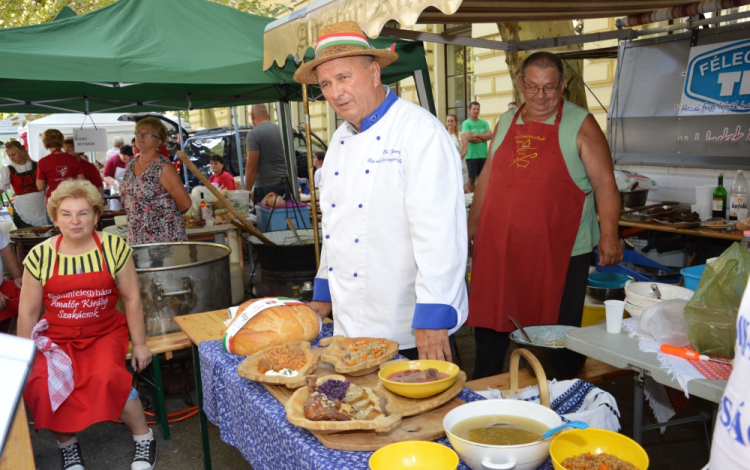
pixel 679 224
pixel 28 232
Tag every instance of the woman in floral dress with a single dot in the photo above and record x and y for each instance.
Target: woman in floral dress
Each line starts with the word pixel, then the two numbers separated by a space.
pixel 152 192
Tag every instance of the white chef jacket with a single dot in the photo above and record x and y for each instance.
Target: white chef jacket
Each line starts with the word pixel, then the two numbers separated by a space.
pixel 394 226
pixel 730 447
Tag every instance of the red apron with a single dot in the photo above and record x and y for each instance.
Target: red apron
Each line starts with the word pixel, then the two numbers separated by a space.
pixel 527 228
pixel 80 309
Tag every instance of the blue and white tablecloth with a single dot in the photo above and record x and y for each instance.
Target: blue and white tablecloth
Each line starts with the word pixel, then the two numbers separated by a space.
pixel 254 422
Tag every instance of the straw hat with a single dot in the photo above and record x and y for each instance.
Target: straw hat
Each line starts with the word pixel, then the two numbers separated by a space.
pixel 340 40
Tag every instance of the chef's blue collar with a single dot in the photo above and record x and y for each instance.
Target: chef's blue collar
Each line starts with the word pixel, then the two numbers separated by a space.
pixel 375 116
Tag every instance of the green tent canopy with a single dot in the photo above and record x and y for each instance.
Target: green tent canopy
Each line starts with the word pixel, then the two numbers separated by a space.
pixel 150 55
pixel 65 12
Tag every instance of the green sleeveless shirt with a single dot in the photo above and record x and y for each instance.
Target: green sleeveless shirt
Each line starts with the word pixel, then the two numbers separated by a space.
pixel 570 124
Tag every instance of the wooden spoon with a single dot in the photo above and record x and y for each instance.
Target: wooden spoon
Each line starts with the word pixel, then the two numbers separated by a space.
pixel 291 227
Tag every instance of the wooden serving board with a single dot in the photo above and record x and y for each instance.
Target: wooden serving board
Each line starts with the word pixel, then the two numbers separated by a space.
pixel 424 427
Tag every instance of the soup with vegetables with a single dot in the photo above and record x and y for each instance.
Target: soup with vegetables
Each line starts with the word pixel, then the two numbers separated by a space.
pixel 417 376
pixel 499 430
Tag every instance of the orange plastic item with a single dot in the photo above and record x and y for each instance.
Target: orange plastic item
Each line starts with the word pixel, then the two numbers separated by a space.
pixel 688 354
pixel 682 352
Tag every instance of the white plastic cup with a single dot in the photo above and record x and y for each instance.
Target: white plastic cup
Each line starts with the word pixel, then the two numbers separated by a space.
pixel 615 309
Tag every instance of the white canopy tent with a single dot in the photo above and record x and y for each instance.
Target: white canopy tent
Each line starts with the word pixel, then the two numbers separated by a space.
pixel 9 126
pixel 66 123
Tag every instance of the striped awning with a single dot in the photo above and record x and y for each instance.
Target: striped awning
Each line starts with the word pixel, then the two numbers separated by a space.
pixel 294 33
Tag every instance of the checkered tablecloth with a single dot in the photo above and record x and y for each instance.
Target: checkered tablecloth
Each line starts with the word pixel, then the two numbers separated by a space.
pixel 254 422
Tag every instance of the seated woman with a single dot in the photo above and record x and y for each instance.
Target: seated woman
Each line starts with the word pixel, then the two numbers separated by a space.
pixel 90 171
pixel 28 203
pixel 77 277
pixel 220 177
pixel 151 190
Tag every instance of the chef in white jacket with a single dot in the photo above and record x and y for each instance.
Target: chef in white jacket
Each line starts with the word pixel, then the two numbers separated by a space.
pixel 394 223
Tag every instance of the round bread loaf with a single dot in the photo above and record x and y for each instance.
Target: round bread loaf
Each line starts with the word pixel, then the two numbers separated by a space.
pixel 274 326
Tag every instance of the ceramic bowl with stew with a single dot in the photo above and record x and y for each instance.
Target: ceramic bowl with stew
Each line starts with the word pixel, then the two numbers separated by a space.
pixel 419 390
pixel 516 457
pixel 414 455
pixel 596 441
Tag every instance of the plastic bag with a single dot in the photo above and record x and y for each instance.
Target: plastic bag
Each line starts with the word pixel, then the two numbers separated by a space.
pixel 625 180
pixel 665 321
pixel 711 314
pixel 208 196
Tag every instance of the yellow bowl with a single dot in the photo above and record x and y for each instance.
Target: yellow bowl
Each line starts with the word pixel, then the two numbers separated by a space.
pixel 596 441
pixel 419 390
pixel 414 455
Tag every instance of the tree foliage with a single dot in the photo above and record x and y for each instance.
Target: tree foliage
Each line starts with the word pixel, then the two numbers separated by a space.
pixel 27 12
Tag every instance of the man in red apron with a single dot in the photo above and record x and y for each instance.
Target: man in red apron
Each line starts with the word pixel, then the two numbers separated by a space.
pixel 530 214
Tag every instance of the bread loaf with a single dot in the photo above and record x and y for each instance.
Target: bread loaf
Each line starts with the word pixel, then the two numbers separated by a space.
pixel 274 326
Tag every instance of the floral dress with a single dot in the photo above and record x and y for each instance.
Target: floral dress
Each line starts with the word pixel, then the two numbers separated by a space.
pixel 152 213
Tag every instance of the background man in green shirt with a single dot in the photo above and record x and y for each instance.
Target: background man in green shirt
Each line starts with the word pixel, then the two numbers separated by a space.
pixel 475 132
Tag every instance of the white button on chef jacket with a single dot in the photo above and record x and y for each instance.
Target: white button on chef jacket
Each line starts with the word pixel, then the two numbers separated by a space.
pixel 394 224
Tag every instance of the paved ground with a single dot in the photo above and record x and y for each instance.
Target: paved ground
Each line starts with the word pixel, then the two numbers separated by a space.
pixel 109 445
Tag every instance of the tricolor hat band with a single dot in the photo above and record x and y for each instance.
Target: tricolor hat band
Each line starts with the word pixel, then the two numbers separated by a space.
pixel 341 39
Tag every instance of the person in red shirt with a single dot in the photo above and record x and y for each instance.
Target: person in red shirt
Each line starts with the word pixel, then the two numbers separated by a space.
pixel 220 177
pixel 90 171
pixel 56 167
pixel 114 169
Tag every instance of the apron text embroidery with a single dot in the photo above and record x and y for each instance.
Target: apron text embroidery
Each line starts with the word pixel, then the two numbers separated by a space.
pixel 525 151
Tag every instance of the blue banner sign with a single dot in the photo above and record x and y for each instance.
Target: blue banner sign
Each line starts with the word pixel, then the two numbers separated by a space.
pixel 717 79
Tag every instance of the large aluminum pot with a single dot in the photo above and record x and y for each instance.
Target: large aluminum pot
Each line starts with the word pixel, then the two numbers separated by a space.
pixel 181 278
pixel 483 456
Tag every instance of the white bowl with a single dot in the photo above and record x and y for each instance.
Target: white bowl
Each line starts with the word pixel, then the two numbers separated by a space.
pixel 482 456
pixel 640 295
pixel 634 311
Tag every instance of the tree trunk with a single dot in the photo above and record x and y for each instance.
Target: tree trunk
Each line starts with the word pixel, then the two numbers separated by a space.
pixel 575 91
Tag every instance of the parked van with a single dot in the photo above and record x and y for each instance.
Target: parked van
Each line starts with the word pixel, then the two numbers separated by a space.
pixel 222 141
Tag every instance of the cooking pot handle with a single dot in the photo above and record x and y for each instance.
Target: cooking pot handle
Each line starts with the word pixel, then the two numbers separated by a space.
pixel 487 463
pixel 188 288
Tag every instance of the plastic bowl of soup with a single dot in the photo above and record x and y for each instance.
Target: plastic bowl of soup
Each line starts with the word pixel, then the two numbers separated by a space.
pixel 483 433
pixel 399 377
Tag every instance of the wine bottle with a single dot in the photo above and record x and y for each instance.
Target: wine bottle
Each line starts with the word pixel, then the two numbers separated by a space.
pixel 719 205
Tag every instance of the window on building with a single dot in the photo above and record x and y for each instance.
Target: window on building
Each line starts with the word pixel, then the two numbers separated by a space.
pixel 459 74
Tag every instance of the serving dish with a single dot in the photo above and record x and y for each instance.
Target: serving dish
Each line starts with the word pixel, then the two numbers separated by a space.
pixel 639 293
pixel 414 455
pixel 608 280
pixel 46 231
pixel 596 441
pixel 602 294
pixel 295 414
pixel 338 346
pixel 419 390
pixel 518 457
pixel 549 347
pixel 249 367
pixel 717 223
